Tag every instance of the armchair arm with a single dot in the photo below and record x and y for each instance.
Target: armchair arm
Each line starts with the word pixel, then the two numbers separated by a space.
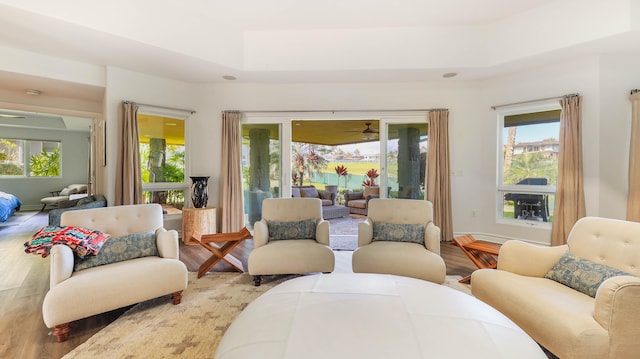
pixel 61 265
pixel 322 232
pixel 432 238
pixel 617 310
pixel 365 232
pixel 370 196
pixel 167 243
pixel 260 233
pixel 528 259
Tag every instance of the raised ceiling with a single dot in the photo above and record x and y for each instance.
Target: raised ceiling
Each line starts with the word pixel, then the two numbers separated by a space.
pixel 321 41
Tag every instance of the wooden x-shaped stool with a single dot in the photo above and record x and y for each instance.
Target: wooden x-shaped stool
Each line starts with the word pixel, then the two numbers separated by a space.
pixel 221 252
pixel 482 254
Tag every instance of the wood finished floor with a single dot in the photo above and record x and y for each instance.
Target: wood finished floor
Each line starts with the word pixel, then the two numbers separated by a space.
pixel 25 281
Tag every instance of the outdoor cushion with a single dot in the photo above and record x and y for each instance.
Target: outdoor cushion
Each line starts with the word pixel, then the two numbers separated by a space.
pixel 309 192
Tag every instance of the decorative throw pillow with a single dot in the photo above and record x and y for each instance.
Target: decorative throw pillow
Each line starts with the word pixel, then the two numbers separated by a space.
pixel 396 232
pixel 118 249
pixel 295 192
pixel 309 192
pixel 67 191
pixel 325 195
pixel 82 241
pixel 580 274
pixel 305 229
pixel 369 190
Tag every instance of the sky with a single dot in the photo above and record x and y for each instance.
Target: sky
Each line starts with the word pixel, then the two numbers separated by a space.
pixel 533 133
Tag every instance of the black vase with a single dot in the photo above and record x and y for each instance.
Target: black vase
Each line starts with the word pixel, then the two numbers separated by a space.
pixel 199 195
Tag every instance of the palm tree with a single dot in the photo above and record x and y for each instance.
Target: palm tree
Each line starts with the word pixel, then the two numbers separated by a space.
pixel 530 165
pixel 307 161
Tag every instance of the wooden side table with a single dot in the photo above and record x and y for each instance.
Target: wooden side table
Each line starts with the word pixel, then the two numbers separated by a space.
pixel 483 254
pixel 197 220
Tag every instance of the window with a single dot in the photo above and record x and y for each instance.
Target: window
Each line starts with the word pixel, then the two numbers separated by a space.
pixel 163 160
pixel 528 159
pixel 29 158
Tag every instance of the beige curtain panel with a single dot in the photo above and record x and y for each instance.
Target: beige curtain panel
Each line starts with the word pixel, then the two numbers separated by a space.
pixel 569 202
pixel 633 201
pixel 438 173
pixel 232 218
pixel 128 176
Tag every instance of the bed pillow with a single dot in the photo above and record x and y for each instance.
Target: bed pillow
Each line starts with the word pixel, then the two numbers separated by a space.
pixel 83 241
pixel 305 229
pixel 119 249
pixel 580 274
pixel 397 232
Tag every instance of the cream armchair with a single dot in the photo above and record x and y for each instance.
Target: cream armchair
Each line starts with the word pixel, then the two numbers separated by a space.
pixel 382 250
pixel 79 294
pixel 566 321
pixel 280 244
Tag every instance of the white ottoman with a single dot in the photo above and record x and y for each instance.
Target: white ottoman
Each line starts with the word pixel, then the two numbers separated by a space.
pixel 372 316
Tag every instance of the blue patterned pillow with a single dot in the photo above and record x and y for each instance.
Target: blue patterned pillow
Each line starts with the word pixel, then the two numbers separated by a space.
pixel 305 229
pixel 120 249
pixel 396 232
pixel 581 274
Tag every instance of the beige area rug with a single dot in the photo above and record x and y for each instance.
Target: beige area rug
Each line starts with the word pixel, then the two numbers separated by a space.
pixel 192 329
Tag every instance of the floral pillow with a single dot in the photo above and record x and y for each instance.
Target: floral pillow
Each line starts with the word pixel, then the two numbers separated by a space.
pixel 119 249
pixel 396 232
pixel 581 274
pixel 305 229
pixel 84 242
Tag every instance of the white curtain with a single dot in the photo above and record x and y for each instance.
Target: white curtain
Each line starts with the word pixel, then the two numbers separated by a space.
pixel 569 202
pixel 128 174
pixel 633 200
pixel 231 203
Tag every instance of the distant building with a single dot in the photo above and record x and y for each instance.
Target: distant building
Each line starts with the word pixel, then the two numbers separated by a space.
pixel 548 148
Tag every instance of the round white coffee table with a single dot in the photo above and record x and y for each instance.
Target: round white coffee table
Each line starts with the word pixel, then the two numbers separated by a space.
pixel 372 316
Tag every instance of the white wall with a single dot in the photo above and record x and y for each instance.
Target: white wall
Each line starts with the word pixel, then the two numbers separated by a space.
pixel 604 83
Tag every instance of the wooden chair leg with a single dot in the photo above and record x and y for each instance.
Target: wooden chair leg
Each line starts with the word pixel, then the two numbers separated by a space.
pixel 176 297
pixel 61 332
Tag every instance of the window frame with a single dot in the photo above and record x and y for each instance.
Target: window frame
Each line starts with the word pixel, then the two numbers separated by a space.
pixel 171 186
pixel 501 187
pixel 26 157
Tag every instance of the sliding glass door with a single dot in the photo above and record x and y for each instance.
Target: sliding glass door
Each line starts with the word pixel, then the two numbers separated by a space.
pixel 261 166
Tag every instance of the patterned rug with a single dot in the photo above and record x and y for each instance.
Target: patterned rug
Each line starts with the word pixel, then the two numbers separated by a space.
pixel 192 329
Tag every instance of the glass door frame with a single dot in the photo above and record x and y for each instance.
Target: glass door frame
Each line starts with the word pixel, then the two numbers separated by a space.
pixel 285 118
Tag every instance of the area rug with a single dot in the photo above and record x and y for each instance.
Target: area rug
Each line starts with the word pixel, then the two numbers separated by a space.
pixel 343 242
pixel 192 329
pixel 18 218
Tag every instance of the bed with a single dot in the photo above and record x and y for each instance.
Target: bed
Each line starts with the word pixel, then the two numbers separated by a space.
pixel 8 205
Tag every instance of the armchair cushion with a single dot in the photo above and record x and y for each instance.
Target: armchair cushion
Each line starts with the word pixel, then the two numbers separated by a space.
pixel 398 232
pixel 304 229
pixel 370 190
pixel 68 191
pixel 581 274
pixel 120 249
pixel 309 192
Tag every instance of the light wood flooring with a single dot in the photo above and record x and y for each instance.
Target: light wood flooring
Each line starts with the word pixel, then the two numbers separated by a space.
pixel 25 281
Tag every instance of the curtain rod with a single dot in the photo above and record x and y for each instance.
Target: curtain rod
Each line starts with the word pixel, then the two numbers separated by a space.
pixel 162 107
pixel 345 111
pixel 531 101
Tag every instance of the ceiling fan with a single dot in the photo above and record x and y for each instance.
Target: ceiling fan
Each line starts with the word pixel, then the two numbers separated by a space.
pixel 368 133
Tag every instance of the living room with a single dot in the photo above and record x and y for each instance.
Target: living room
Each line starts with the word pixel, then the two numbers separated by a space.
pixel 511 60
